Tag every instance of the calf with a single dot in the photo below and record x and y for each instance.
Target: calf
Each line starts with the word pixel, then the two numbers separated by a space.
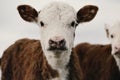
pixel 53 57
pixel 101 62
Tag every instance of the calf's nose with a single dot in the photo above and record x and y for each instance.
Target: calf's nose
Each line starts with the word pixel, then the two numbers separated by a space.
pixel 57 42
pixel 117 48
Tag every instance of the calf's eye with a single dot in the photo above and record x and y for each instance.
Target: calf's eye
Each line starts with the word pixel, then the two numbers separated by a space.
pixel 41 23
pixel 73 24
pixel 111 36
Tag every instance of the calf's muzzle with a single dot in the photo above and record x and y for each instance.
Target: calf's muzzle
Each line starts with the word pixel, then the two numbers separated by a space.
pixel 57 43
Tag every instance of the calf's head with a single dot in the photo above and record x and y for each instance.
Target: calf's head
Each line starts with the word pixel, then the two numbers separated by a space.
pixel 57 23
pixel 113 33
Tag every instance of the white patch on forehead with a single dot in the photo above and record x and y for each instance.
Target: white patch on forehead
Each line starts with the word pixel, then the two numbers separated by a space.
pixel 115 28
pixel 57 12
pixel 115 31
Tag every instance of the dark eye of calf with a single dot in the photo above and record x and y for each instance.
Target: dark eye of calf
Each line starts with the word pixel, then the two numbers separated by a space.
pixel 73 24
pixel 111 36
pixel 41 23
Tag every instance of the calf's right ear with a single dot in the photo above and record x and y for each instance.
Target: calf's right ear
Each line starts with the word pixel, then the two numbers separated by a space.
pixel 107 29
pixel 27 13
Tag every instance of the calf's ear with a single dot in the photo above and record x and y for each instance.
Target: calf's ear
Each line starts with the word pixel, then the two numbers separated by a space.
pixel 87 13
pixel 107 29
pixel 27 13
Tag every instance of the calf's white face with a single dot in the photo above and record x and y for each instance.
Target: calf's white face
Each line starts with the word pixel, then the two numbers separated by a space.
pixel 57 23
pixel 113 33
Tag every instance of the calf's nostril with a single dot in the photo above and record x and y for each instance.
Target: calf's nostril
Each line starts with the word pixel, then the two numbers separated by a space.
pixel 52 43
pixel 116 48
pixel 62 42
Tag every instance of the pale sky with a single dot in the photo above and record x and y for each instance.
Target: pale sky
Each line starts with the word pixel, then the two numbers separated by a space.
pixel 12 27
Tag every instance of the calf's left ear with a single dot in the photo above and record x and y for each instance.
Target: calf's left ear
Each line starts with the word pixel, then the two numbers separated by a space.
pixel 107 29
pixel 27 13
pixel 87 13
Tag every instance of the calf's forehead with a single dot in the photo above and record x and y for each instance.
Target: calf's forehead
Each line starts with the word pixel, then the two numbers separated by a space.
pixel 57 12
pixel 115 29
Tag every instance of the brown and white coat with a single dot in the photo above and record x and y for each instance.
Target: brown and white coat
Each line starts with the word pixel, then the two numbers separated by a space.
pixel 101 62
pixel 52 57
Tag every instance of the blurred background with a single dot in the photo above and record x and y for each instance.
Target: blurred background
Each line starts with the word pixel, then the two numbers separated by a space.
pixel 12 27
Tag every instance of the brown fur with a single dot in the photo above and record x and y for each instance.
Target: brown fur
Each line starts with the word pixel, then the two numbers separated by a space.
pixel 97 62
pixel 25 60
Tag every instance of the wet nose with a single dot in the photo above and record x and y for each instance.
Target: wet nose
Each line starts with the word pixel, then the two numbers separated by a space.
pixel 57 43
pixel 117 48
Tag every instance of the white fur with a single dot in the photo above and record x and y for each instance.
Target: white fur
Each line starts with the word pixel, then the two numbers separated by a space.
pixel 117 61
pixel 115 41
pixel 57 18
